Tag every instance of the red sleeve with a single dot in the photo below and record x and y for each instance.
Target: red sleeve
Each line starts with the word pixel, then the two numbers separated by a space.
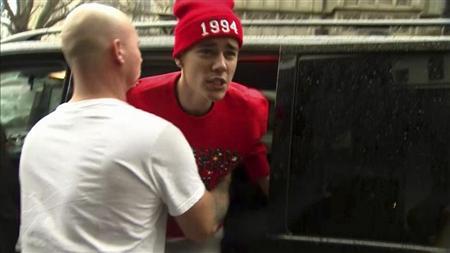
pixel 256 163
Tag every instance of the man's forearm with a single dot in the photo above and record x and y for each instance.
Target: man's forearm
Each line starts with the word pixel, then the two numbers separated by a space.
pixel 221 199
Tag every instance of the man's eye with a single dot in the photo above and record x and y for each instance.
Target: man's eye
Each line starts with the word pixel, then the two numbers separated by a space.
pixel 206 51
pixel 230 54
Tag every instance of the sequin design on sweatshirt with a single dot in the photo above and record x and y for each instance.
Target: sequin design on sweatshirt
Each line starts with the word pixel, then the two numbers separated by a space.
pixel 214 164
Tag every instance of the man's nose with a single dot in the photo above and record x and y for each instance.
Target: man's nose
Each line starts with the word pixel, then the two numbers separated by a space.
pixel 220 63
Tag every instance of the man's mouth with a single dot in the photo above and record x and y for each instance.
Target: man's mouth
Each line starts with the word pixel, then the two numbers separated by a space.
pixel 217 82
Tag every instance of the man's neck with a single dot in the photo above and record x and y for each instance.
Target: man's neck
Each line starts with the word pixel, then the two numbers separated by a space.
pixel 92 88
pixel 79 96
pixel 190 102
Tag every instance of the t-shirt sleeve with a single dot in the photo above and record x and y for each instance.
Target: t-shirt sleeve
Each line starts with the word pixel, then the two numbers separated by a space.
pixel 175 171
pixel 255 162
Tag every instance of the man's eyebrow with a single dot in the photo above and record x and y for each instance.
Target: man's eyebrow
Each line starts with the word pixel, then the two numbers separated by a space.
pixel 232 46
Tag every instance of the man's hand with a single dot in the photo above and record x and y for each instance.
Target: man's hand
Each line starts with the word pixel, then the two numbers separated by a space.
pixel 222 198
pixel 264 185
pixel 206 216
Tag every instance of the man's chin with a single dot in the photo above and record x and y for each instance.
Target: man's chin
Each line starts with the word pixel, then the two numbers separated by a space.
pixel 217 95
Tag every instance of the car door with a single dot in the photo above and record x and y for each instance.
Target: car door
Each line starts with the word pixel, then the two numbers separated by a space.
pixel 30 89
pixel 31 86
pixel 361 151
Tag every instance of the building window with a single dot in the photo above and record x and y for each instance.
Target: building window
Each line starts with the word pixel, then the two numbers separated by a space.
pixel 403 2
pixel 385 2
pixel 351 15
pixel 366 2
pixel 376 16
pixel 351 2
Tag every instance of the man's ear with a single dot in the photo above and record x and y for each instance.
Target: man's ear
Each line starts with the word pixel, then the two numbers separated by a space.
pixel 178 63
pixel 118 53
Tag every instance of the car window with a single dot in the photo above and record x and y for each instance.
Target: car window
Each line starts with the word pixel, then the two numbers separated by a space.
pixel 369 156
pixel 265 81
pixel 27 95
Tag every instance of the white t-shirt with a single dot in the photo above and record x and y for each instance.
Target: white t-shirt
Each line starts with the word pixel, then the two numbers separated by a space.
pixel 99 176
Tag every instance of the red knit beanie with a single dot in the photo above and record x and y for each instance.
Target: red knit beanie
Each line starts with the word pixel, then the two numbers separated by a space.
pixel 202 19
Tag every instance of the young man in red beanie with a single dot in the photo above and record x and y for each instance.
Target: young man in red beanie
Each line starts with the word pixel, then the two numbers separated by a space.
pixel 223 121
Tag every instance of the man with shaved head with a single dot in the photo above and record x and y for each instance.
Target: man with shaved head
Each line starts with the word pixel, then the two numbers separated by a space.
pixel 98 175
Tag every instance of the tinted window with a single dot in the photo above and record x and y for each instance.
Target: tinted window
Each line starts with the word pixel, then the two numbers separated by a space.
pixel 370 156
pixel 27 95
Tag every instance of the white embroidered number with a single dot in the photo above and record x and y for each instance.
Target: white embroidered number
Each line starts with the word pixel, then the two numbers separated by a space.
pixel 225 26
pixel 215 26
pixel 234 27
pixel 204 33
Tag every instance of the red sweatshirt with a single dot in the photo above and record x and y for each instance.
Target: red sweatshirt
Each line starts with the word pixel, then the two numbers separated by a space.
pixel 228 135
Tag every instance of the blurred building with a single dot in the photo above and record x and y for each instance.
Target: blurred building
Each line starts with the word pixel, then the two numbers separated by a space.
pixel 330 9
pixel 4 22
pixel 149 10
pixel 342 9
pixel 4 31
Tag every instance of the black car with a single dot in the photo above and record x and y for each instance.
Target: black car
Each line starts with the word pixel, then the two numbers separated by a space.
pixel 359 138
